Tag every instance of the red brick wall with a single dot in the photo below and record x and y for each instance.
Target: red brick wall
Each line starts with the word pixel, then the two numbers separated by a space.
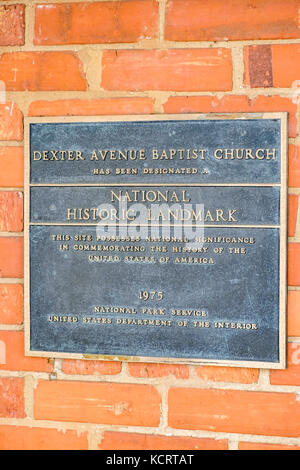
pixel 138 57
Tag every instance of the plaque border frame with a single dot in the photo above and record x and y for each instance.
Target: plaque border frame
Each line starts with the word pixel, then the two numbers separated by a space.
pixel 282 340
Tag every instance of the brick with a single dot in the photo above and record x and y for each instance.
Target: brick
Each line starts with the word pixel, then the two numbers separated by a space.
pixel 12 398
pixel 73 366
pixel 26 438
pixel 293 313
pixel 11 304
pixel 294 264
pixel 11 257
pixel 294 166
pixel 286 65
pixel 11 211
pixel 234 104
pixel 11 121
pixel 11 167
pixel 216 20
pixel 291 375
pixel 174 69
pixel 235 411
pixel 262 446
pixel 98 22
pixel 275 65
pixel 228 374
pixel 148 370
pixel 13 357
pixel 96 107
pixel 258 66
pixel 12 25
pixel 131 441
pixel 292 213
pixel 42 71
pixel 106 403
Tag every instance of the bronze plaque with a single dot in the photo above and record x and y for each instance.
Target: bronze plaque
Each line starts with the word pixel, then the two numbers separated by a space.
pixel 157 238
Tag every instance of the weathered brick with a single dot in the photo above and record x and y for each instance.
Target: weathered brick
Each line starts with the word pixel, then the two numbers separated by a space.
pixel 11 304
pixel 294 166
pixel 275 65
pixel 14 358
pixel 11 167
pixel 216 20
pixel 148 370
pixel 12 25
pixel 258 66
pixel 96 107
pixel 11 211
pixel 235 411
pixel 28 438
pixel 107 403
pixel 42 71
pixel 228 374
pixel 291 375
pixel 11 257
pixel 12 403
pixel 263 446
pixel 235 104
pixel 97 22
pixel 294 264
pixel 173 69
pixel 73 366
pixel 293 313
pixel 130 441
pixel 292 211
pixel 11 121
